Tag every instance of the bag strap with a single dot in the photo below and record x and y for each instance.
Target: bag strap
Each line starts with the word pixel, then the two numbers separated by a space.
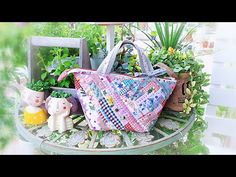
pixel 169 71
pixel 66 73
pixel 108 62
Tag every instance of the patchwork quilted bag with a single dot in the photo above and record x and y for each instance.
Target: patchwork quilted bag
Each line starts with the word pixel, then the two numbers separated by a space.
pixel 112 101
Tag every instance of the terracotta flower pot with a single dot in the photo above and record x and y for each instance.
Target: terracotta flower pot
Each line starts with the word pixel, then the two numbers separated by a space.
pixel 176 100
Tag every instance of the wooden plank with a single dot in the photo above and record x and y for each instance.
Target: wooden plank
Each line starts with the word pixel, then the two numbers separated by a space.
pixel 91 144
pixel 33 65
pixel 223 75
pixel 30 59
pixel 110 37
pixel 211 110
pixel 126 139
pixel 226 55
pixel 55 42
pixel 223 97
pixel 161 132
pixel 224 126
pixel 84 55
pixel 35 42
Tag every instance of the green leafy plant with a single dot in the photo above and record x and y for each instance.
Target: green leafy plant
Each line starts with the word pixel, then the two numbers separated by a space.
pixel 168 35
pixel 60 62
pixel 182 62
pixel 60 94
pixel 126 62
pixel 124 31
pixel 178 61
pixel 94 34
pixel 38 86
pixel 227 112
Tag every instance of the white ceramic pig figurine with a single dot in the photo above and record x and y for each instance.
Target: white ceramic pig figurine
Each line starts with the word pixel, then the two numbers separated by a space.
pixel 59 110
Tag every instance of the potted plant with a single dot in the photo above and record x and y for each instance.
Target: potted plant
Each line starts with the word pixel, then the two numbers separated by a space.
pixel 33 95
pixel 61 60
pixel 69 97
pixel 181 63
pixel 168 47
pixel 56 60
pixel 99 53
pixel 59 108
pixel 126 61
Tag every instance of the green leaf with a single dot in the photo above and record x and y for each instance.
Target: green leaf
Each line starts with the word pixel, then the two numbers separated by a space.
pixel 160 33
pixel 52 81
pixel 57 72
pixel 66 52
pixel 130 68
pixel 67 63
pixel 76 65
pixel 67 83
pixel 153 33
pixel 178 33
pixel 44 75
pixel 166 25
pixel 187 67
pixel 188 91
pixel 171 35
pixel 176 70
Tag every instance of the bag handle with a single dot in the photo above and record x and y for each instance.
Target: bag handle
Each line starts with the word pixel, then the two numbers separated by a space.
pixel 108 62
pixel 64 74
pixel 169 71
pixel 163 69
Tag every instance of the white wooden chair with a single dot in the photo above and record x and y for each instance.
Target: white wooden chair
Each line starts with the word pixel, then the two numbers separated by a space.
pixel 41 41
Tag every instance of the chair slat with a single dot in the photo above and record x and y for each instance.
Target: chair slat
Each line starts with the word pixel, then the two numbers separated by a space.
pixel 225 55
pixel 56 42
pixel 224 126
pixel 223 75
pixel 223 97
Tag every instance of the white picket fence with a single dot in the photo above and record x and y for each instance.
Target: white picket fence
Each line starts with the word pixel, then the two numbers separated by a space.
pixel 221 133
